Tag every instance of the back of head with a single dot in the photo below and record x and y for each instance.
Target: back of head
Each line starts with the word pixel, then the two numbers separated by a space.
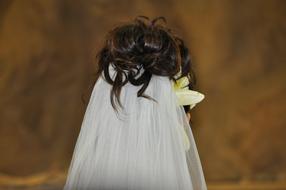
pixel 140 49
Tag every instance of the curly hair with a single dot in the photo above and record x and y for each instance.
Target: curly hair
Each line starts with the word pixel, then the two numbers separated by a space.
pixel 143 44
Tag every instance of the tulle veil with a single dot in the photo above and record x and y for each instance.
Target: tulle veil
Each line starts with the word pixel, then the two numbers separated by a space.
pixel 139 148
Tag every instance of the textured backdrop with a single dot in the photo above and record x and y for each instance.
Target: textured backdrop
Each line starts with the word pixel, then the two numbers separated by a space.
pixel 47 53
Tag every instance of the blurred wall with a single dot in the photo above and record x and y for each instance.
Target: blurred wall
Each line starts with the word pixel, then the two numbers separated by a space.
pixel 47 53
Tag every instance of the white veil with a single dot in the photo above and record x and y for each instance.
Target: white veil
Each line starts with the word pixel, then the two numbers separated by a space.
pixel 141 148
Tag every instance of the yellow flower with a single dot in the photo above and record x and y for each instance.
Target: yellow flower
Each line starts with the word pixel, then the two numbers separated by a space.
pixel 186 96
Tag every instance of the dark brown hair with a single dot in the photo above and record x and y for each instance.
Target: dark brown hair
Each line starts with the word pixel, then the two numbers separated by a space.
pixel 143 44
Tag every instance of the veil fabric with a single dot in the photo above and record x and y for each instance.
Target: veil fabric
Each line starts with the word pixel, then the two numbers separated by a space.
pixel 141 147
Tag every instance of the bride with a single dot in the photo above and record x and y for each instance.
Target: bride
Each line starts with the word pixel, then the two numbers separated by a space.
pixel 136 133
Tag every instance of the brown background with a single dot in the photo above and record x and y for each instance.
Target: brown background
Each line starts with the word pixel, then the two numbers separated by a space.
pixel 47 50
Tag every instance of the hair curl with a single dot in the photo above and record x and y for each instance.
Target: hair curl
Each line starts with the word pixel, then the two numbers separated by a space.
pixel 143 44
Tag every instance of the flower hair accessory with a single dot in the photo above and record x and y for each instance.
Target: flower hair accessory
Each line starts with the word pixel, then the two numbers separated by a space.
pixel 185 95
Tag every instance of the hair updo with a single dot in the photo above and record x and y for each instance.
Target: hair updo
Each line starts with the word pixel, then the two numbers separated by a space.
pixel 139 50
